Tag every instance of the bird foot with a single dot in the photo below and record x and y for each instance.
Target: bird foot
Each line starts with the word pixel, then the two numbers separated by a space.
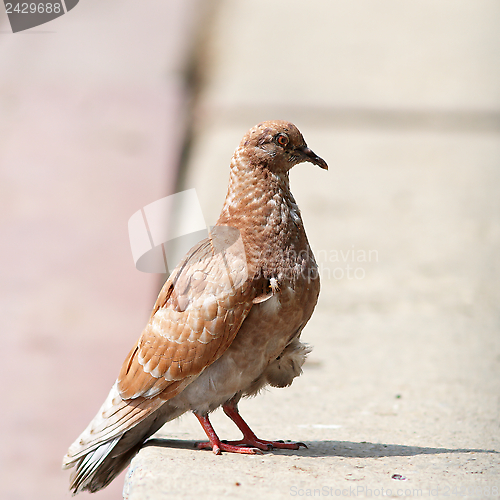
pixel 218 446
pixel 265 445
pixel 250 439
pixel 250 443
pixel 282 445
pixel 228 446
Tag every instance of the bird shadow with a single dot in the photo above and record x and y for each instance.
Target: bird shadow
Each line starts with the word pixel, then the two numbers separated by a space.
pixel 346 449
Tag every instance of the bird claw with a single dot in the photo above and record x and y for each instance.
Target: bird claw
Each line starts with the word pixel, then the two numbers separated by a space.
pixel 228 447
pixel 289 445
pixel 254 443
pixel 297 444
pixel 250 444
pixel 265 445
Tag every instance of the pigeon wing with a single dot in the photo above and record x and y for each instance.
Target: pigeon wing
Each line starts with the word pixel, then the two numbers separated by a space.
pixel 196 317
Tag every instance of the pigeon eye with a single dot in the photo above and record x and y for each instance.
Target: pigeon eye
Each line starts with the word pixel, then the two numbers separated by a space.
pixel 282 139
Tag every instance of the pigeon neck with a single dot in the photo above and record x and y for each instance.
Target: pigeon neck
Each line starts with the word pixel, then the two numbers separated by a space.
pixel 260 205
pixel 254 194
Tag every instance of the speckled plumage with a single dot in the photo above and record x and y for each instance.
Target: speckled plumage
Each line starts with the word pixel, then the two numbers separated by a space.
pixel 227 321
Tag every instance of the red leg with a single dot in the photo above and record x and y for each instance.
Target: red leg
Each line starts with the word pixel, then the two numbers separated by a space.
pixel 249 438
pixel 216 444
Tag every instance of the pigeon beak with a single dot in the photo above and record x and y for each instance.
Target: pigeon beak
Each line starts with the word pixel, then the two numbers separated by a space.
pixel 310 156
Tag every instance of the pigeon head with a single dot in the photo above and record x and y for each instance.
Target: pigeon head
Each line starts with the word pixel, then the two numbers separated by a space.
pixel 278 145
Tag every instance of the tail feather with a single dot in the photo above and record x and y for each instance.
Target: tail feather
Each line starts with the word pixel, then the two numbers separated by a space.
pixel 113 437
pixel 114 418
pixel 86 468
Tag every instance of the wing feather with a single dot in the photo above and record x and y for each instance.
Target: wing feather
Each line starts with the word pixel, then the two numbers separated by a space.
pixel 196 317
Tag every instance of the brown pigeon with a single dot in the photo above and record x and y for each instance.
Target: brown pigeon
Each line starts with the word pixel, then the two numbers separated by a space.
pixel 226 323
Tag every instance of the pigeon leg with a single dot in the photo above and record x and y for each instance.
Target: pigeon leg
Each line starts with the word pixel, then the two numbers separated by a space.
pixel 216 444
pixel 249 438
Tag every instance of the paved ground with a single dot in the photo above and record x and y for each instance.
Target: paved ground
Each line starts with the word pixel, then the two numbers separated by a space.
pixel 402 100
